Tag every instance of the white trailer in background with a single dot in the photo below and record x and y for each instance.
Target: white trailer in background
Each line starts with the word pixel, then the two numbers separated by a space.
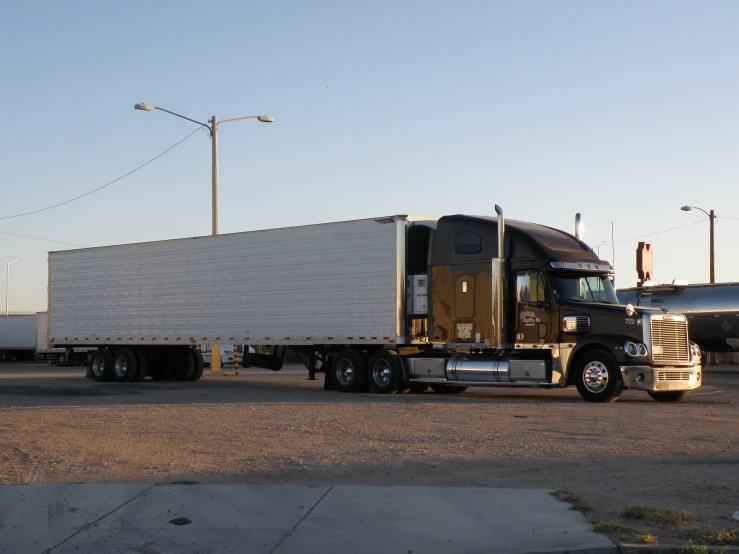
pixel 17 337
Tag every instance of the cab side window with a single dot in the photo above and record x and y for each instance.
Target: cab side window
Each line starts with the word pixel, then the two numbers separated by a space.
pixel 530 287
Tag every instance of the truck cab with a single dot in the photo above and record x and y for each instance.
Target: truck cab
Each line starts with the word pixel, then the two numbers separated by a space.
pixel 526 304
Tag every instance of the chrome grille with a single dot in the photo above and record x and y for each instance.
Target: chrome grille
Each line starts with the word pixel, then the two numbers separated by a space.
pixel 669 339
pixel 583 323
pixel 673 375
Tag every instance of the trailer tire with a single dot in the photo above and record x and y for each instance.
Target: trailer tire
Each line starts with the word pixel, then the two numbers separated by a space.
pixel 125 365
pixel 143 365
pixel 61 359
pixel 183 365
pixel 199 365
pixel 448 389
pixel 349 371
pixel 418 388
pixel 669 396
pixel 385 372
pixel 597 377
pixel 101 366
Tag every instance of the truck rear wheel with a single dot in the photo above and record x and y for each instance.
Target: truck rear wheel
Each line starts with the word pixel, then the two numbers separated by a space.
pixel 597 377
pixel 669 396
pixel 448 389
pixel 125 366
pixel 349 371
pixel 101 366
pixel 385 372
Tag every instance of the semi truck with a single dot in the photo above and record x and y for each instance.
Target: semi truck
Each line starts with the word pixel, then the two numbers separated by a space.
pixel 712 309
pixel 391 304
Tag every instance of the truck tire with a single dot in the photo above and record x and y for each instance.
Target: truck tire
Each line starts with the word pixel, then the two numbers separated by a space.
pixel 101 366
pixel 125 365
pixel 143 360
pixel 669 396
pixel 597 377
pixel 385 372
pixel 183 365
pixel 349 371
pixel 199 365
pixel 448 389
pixel 61 359
pixel 418 388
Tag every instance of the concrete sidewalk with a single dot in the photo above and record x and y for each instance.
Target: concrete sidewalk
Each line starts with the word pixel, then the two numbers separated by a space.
pixel 288 519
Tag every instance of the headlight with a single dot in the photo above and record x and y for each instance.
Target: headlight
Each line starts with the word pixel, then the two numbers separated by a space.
pixel 631 349
pixel 635 349
pixel 695 351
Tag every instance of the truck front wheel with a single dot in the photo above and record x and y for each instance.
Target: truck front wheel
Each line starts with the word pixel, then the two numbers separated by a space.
pixel 597 377
pixel 669 396
pixel 349 371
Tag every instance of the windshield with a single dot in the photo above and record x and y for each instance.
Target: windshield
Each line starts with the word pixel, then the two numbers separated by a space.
pixel 582 288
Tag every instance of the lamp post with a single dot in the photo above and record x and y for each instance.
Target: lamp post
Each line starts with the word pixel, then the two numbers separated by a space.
pixel 712 217
pixel 7 283
pixel 212 127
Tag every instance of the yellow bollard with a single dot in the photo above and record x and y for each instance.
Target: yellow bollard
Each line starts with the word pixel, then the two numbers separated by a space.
pixel 215 359
pixel 236 361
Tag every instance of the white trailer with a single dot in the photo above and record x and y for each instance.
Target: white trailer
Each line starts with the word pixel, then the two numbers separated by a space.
pixel 330 284
pixel 17 337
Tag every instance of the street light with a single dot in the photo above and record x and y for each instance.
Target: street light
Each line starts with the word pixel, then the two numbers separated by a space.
pixel 7 284
pixel 213 130
pixel 712 217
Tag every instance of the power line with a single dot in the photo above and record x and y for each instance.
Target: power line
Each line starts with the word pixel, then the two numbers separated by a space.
pixel 655 233
pixel 46 240
pixel 106 185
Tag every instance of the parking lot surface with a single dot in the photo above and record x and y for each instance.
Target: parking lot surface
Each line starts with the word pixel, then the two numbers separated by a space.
pixel 279 428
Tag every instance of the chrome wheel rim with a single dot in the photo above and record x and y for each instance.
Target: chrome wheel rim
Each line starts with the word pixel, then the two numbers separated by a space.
pixel 121 366
pixel 345 372
pixel 98 365
pixel 381 373
pixel 595 377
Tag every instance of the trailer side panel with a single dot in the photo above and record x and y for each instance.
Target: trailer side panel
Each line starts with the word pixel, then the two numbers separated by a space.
pixel 319 284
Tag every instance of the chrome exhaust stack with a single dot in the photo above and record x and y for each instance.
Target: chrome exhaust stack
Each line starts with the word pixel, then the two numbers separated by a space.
pixel 500 287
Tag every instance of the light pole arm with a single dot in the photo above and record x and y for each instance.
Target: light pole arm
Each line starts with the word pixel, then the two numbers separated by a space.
pixel 183 117
pixel 238 118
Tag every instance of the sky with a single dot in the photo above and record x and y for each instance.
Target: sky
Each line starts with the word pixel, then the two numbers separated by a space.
pixel 621 111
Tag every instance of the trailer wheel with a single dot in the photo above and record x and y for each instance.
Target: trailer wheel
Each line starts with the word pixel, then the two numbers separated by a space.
pixel 349 371
pixel 418 388
pixel 199 365
pixel 448 389
pixel 125 366
pixel 385 372
pixel 101 366
pixel 183 365
pixel 669 396
pixel 61 359
pixel 597 377
pixel 143 361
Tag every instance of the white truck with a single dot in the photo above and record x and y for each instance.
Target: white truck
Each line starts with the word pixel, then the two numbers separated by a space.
pixel 390 304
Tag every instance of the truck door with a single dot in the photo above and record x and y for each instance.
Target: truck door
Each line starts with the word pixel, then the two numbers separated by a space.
pixel 534 315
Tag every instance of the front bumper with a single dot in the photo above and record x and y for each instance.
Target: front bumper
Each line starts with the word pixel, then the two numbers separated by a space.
pixel 661 378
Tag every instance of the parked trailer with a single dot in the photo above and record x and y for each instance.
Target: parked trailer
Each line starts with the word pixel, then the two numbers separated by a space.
pixel 712 310
pixel 392 304
pixel 17 337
